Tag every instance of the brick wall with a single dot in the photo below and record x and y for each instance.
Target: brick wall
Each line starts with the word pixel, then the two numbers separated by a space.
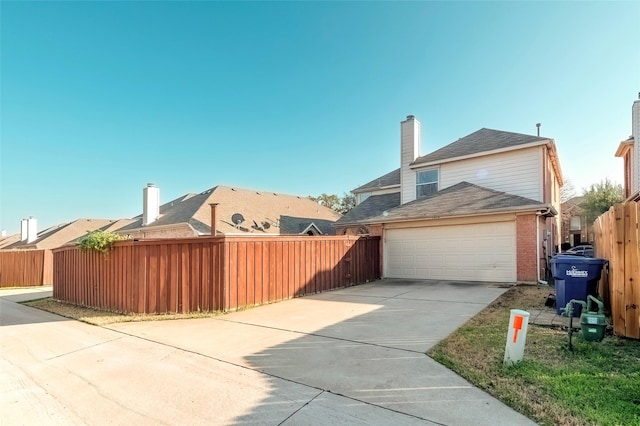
pixel 526 254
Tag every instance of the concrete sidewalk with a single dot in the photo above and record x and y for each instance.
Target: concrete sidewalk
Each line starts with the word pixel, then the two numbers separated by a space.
pixel 352 356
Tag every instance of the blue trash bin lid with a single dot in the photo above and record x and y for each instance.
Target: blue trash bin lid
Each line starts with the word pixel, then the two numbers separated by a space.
pixel 577 267
pixel 577 260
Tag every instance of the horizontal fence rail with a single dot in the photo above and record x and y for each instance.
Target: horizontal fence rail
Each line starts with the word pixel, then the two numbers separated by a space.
pixel 211 274
pixel 616 239
pixel 25 268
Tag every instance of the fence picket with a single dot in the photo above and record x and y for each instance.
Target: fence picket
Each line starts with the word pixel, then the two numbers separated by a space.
pixel 221 273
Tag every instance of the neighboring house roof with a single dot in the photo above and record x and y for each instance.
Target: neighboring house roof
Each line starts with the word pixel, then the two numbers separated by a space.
pixel 389 180
pixel 480 141
pixel 9 240
pixel 259 212
pixel 373 206
pixel 572 205
pixel 60 235
pixel 462 199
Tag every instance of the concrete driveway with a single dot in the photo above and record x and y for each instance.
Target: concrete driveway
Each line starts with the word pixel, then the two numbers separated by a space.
pixel 352 356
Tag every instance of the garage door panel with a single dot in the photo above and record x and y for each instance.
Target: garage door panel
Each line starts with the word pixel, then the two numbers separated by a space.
pixel 479 252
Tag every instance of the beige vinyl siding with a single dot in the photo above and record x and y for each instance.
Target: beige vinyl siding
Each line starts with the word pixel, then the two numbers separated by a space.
pixel 409 151
pixel 408 186
pixel 515 172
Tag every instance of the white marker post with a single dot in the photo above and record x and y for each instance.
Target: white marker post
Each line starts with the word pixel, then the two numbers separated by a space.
pixel 516 337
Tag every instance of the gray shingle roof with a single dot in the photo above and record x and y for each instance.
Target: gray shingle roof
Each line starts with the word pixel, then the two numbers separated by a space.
pixel 390 179
pixel 371 207
pixel 459 200
pixel 295 225
pixel 477 142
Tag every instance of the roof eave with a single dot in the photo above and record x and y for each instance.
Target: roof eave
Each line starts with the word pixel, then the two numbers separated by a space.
pixel 548 210
pixel 624 147
pixel 375 188
pixel 555 161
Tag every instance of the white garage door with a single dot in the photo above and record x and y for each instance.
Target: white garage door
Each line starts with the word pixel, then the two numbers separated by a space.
pixel 478 252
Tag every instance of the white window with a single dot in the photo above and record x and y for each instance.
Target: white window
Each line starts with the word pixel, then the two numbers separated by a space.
pixel 426 183
pixel 575 223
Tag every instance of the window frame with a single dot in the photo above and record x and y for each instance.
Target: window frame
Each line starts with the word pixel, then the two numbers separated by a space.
pixel 435 182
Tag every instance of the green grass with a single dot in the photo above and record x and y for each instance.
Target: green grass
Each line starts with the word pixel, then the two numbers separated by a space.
pixel 597 383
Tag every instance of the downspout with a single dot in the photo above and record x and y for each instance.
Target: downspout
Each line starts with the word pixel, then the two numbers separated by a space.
pixel 538 242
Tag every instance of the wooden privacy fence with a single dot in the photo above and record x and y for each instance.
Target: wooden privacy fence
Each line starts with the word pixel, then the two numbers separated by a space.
pixel 616 239
pixel 23 268
pixel 211 274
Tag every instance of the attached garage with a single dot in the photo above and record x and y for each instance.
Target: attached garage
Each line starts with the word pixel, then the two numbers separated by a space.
pixel 464 252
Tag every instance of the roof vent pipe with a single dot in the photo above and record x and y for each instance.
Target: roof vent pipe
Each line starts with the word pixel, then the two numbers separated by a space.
pixel 538 126
pixel 213 218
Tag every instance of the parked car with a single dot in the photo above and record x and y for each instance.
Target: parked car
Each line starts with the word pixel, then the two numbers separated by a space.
pixel 583 250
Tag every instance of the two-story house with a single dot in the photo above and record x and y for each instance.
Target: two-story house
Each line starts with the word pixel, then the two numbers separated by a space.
pixel 576 229
pixel 483 208
pixel 629 151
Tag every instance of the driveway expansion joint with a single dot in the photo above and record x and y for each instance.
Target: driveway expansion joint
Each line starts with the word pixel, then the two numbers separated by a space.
pixel 83 348
pixel 323 336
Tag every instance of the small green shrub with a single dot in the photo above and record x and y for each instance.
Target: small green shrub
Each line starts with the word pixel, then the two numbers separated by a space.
pixel 101 241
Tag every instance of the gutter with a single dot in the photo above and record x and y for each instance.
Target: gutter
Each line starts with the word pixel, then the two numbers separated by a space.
pixel 538 214
pixel 550 210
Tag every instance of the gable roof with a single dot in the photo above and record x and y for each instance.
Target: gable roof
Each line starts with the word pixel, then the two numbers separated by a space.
pixel 388 180
pixel 624 146
pixel 480 141
pixel 462 199
pixel 572 205
pixel 373 206
pixel 260 212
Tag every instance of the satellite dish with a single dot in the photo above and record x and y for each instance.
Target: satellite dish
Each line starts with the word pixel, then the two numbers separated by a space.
pixel 237 218
pixel 266 225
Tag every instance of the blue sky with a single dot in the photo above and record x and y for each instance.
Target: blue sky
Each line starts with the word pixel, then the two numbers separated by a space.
pixel 100 98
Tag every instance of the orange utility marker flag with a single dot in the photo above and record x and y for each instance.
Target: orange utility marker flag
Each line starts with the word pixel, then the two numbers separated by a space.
pixel 516 336
pixel 517 326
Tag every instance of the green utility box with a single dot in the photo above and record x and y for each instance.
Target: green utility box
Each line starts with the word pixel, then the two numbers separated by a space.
pixel 593 323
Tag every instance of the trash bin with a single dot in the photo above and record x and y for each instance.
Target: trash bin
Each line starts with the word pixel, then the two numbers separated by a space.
pixel 575 277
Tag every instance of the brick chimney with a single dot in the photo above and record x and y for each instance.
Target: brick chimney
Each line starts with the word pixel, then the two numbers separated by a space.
pixel 150 204
pixel 409 151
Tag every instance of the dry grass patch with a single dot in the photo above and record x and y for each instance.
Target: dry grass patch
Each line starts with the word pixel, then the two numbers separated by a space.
pixel 102 318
